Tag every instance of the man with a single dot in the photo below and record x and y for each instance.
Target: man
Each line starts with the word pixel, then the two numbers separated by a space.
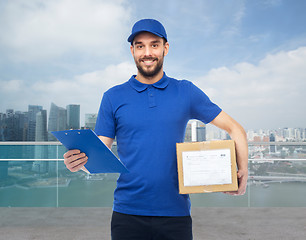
pixel 148 115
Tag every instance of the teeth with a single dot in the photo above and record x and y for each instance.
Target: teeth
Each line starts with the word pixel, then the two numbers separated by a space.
pixel 148 62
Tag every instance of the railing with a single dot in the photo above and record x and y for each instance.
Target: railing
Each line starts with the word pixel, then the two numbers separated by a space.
pixel 32 174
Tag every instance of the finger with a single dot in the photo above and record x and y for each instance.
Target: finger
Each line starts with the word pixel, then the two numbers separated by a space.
pixel 77 164
pixel 231 193
pixel 71 152
pixel 242 187
pixel 240 174
pixel 236 193
pixel 75 157
pixel 241 190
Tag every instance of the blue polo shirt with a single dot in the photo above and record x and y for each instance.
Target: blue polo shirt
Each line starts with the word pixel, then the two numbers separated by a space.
pixel 148 121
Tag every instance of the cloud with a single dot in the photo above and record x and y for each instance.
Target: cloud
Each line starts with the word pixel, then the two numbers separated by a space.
pixel 205 18
pixel 87 88
pixel 12 86
pixel 270 93
pixel 38 30
pixel 84 89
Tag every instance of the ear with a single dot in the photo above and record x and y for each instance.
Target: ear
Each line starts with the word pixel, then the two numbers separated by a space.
pixel 166 48
pixel 132 49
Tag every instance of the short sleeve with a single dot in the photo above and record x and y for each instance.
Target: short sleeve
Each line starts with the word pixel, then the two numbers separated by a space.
pixel 105 124
pixel 201 107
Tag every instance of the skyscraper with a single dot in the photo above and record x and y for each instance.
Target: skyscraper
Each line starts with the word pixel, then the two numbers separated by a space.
pixel 13 125
pixel 201 132
pixel 9 126
pixel 21 119
pixel 57 120
pixel 73 116
pixel 188 132
pixel 195 131
pixel 2 126
pixel 32 111
pixel 272 139
pixel 194 124
pixel 9 113
pixel 90 120
pixel 41 133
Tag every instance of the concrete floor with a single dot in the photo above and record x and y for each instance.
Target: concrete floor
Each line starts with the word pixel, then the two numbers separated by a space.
pixel 208 223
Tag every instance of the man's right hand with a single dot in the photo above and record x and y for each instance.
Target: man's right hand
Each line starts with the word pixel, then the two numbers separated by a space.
pixel 75 160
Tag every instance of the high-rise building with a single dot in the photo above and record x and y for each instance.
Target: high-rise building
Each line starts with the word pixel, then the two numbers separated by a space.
pixel 22 125
pixel 188 132
pixel 9 113
pixel 9 126
pixel 41 133
pixel 250 135
pixel 90 120
pixel 12 126
pixel 195 131
pixel 57 120
pixel 194 124
pixel 2 126
pixel 73 116
pixel 32 111
pixel 201 132
pixel 298 134
pixel 272 139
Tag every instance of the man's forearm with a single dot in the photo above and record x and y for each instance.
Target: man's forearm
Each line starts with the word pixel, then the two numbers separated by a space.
pixel 107 141
pixel 239 136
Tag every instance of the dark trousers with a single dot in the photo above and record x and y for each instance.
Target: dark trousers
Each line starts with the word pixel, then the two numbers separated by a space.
pixel 132 227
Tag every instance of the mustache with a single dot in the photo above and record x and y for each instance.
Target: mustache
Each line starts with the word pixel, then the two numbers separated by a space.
pixel 148 59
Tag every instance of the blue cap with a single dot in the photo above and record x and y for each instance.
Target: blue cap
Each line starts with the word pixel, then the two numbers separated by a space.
pixel 148 25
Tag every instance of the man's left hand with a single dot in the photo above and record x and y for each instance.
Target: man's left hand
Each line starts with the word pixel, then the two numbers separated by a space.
pixel 242 176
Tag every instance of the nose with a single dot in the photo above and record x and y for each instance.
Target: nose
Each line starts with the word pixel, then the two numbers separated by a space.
pixel 148 52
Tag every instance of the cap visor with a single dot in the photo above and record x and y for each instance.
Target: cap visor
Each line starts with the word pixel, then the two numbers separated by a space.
pixel 132 36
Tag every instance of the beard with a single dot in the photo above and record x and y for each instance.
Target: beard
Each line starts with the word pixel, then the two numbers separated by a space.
pixel 152 70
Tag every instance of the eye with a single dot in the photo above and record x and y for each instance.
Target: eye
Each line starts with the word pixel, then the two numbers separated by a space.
pixel 155 45
pixel 139 46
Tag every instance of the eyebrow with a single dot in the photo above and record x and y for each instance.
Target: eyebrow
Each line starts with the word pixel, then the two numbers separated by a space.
pixel 155 41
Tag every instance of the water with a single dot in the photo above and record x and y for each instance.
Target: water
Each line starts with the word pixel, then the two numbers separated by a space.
pixel 99 193
pixel 50 184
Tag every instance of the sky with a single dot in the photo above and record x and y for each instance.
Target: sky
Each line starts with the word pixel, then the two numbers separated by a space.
pixel 248 56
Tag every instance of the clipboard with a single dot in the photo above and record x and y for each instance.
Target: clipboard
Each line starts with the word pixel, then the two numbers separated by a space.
pixel 100 157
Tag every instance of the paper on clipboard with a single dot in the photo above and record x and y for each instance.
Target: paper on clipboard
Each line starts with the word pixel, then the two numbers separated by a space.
pixel 100 157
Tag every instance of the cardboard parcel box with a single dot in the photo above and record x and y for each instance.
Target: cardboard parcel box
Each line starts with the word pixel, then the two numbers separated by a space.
pixel 207 166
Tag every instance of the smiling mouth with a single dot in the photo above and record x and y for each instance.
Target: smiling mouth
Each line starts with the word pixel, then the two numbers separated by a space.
pixel 148 61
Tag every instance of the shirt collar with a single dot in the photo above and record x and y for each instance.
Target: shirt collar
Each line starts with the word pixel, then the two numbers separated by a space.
pixel 161 84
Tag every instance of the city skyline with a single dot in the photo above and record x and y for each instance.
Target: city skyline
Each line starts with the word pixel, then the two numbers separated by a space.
pixel 83 118
pixel 36 125
pixel 247 56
